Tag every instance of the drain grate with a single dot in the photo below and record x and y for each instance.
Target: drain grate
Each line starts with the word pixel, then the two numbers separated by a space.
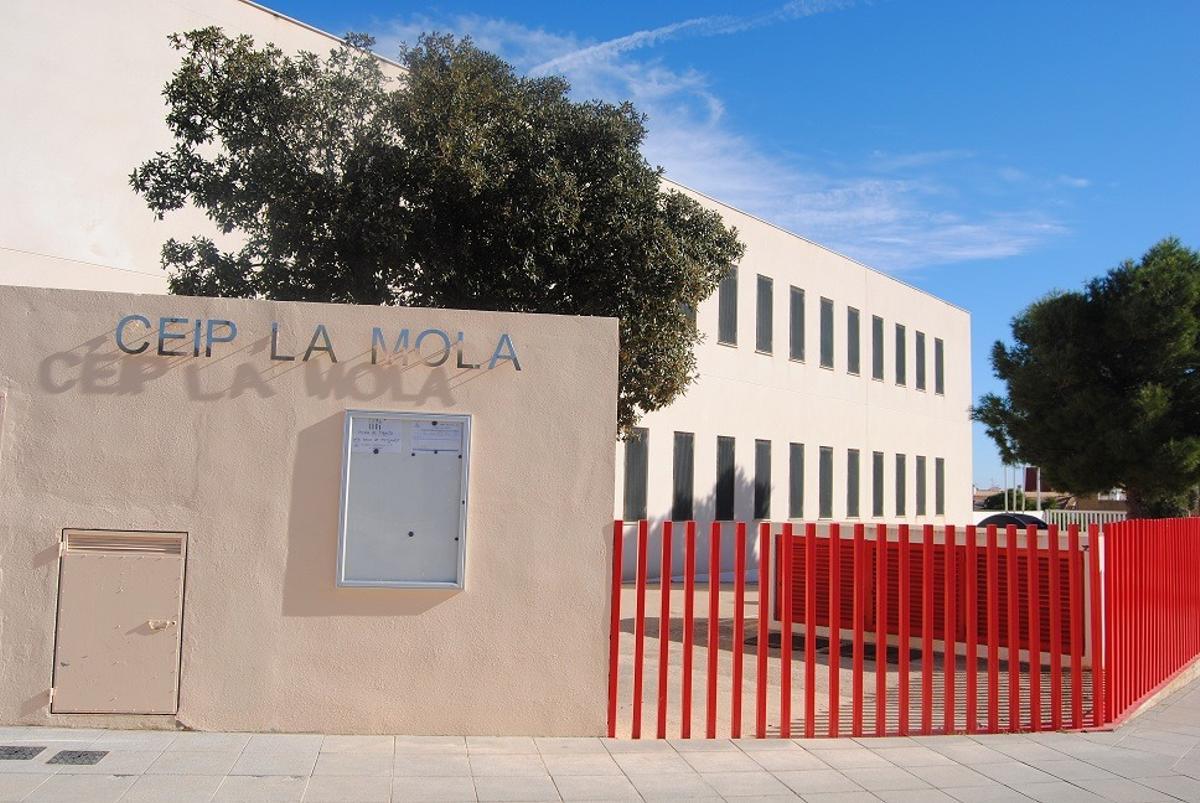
pixel 77 756
pixel 18 753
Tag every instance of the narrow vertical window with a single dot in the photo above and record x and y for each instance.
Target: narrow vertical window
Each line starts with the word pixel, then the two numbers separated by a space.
pixel 825 483
pixel 877 484
pixel 726 478
pixel 939 486
pixel 727 292
pixel 763 323
pixel 852 361
pixel 920 479
pixel 876 347
pixel 901 368
pixel 796 321
pixel 795 480
pixel 939 366
pixel 683 475
pixel 852 483
pixel 636 464
pixel 900 490
pixel 762 479
pixel 689 312
pixel 826 333
pixel 919 363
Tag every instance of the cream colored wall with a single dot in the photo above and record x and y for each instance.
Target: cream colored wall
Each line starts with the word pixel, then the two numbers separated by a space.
pixel 244 454
pixel 81 92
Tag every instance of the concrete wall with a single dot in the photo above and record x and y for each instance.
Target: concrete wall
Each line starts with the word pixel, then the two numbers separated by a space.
pixel 243 454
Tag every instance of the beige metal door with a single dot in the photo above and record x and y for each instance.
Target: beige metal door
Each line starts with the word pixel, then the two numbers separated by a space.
pixel 120 603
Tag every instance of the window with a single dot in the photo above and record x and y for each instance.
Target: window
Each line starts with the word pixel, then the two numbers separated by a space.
pixel 796 316
pixel 877 484
pixel 825 481
pixel 876 347
pixel 762 479
pixel 725 478
pixel 636 463
pixel 763 325
pixel 920 361
pixel 900 491
pixel 920 485
pixel 939 366
pixel 727 309
pixel 939 486
pixel 795 480
pixel 852 483
pixel 826 333
pixel 901 370
pixel 689 312
pixel 683 473
pixel 852 340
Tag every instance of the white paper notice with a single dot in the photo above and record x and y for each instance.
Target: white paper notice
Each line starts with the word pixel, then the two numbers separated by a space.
pixel 378 436
pixel 440 438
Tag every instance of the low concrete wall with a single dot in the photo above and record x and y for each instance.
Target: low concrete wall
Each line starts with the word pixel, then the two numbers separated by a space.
pixel 243 453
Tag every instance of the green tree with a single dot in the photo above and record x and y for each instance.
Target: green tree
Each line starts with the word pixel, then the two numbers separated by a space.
pixel 459 184
pixel 1104 383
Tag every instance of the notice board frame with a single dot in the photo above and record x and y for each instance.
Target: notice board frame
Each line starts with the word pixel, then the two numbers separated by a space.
pixel 343 498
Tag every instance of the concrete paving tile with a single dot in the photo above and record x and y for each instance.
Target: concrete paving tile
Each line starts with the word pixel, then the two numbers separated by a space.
pixel 33 766
pixel 1121 790
pixel 1134 763
pixel 828 744
pixel 430 744
pixel 431 765
pixel 744 784
pixel 752 745
pixel 948 776
pixel 1057 792
pixel 274 764
pixel 507 764
pixel 284 743
pixel 220 742
pixel 480 745
pixel 887 742
pixel 806 782
pixel 880 779
pixel 990 793
pixel 197 762
pixel 1179 786
pixel 459 788
pixel 673 786
pixel 16 786
pixel 37 733
pixel 853 758
pixel 785 760
pixel 917 756
pixel 359 744
pixel 1071 769
pixel 586 764
pixel 914 796
pixel 703 745
pixel 173 788
pixel 841 797
pixel 117 762
pixel 358 764
pixel 615 746
pixel 969 753
pixel 721 762
pixel 524 788
pixel 82 788
pixel 1026 751
pixel 595 787
pixel 651 763
pixel 134 740
pixel 258 788
pixel 1013 772
pixel 1155 746
pixel 574 744
pixel 348 789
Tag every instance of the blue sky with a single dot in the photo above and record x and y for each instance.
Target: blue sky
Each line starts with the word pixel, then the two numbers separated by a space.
pixel 986 152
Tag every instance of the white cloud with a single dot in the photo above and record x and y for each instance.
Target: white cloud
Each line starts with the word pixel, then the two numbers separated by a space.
pixel 895 211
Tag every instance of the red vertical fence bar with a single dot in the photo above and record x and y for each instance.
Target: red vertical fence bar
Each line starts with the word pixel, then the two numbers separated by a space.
pixel 614 626
pixel 927 629
pixel 786 564
pixel 902 616
pixel 1033 600
pixel 970 578
pixel 714 628
pixel 739 628
pixel 689 627
pixel 810 630
pixel 881 619
pixel 1075 593
pixel 860 588
pixel 1056 717
pixel 764 633
pixel 639 629
pixel 993 630
pixel 1013 637
pixel 664 622
pixel 835 621
pixel 949 644
pixel 1098 669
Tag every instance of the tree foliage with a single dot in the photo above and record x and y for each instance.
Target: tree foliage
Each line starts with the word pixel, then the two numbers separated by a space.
pixel 1104 383
pixel 459 184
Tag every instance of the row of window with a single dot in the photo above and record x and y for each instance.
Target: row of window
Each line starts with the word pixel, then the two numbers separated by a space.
pixel 637 461
pixel 764 334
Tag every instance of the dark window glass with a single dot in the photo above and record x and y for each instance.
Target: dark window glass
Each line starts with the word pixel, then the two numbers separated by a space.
pixel 796 338
pixel 920 485
pixel 762 479
pixel 796 480
pixel 900 489
pixel 876 347
pixel 876 483
pixel 901 368
pixel 939 366
pixel 852 340
pixel 727 309
pixel 826 333
pixel 852 483
pixel 726 478
pixel 636 464
pixel 683 474
pixel 920 361
pixel 763 326
pixel 825 481
pixel 939 487
pixel 689 312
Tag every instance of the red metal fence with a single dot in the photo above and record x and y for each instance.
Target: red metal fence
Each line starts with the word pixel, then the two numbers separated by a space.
pixel 876 629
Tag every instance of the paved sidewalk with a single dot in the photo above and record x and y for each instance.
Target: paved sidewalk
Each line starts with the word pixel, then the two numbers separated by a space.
pixel 1156 757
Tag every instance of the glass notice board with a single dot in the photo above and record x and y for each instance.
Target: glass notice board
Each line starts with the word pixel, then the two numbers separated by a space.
pixel 403 520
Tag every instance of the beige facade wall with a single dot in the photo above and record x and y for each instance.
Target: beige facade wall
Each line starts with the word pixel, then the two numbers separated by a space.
pixel 243 453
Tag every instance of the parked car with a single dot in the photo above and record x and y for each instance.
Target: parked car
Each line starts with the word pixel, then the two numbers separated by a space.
pixel 1020 520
